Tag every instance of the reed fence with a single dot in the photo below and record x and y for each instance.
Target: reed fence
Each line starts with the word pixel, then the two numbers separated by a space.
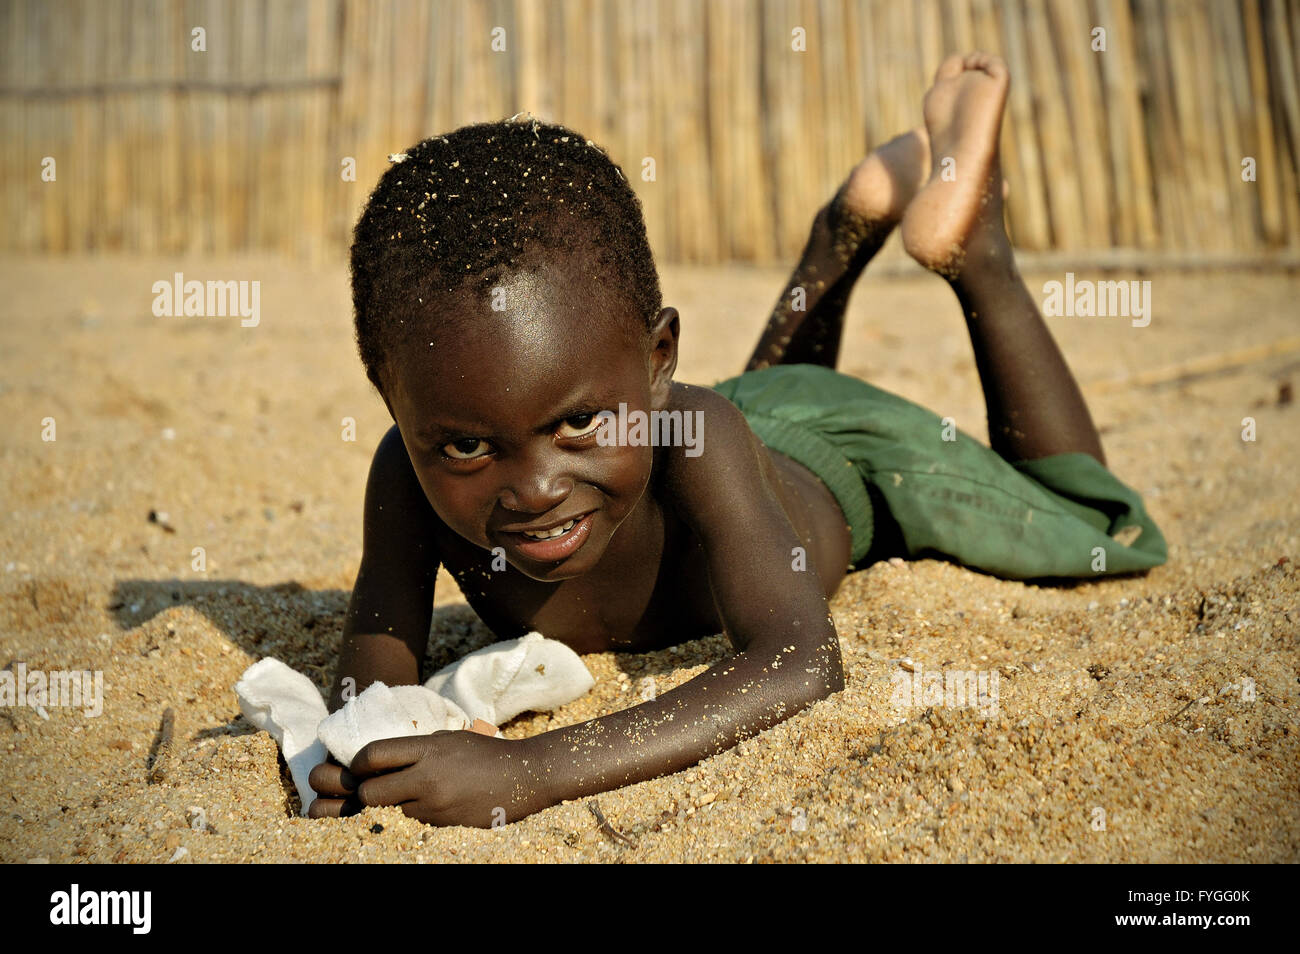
pixel 160 147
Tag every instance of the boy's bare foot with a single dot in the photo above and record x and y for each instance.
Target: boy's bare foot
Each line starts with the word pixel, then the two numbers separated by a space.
pixel 962 202
pixel 880 186
pixel 806 324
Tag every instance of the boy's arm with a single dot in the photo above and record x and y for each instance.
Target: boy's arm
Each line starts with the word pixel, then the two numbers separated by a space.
pixel 387 626
pixel 788 652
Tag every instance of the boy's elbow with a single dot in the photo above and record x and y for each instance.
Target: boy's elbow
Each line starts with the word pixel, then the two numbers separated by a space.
pixel 828 664
pixel 801 673
pixel 826 687
pixel 819 675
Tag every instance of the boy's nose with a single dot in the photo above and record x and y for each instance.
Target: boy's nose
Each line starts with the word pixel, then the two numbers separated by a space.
pixel 536 488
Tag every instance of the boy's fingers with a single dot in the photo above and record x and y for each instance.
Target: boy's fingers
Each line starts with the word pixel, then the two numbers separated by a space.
pixel 325 808
pixel 385 755
pixel 390 789
pixel 334 808
pixel 332 780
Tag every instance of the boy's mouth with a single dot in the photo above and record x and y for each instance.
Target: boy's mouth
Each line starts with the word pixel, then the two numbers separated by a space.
pixel 553 532
pixel 555 542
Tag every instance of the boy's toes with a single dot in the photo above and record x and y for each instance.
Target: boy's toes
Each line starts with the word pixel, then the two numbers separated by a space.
pixel 951 66
pixel 987 63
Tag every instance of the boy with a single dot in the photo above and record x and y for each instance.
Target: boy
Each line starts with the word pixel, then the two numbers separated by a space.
pixel 507 308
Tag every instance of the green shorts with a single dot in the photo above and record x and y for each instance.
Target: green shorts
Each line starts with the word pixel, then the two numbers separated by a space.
pixel 898 472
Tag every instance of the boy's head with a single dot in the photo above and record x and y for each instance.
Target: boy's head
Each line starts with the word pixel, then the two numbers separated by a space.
pixel 462 211
pixel 505 293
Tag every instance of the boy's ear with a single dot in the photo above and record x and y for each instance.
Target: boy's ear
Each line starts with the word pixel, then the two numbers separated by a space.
pixel 663 356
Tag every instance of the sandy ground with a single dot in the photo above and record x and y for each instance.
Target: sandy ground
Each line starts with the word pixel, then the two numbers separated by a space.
pixel 1125 701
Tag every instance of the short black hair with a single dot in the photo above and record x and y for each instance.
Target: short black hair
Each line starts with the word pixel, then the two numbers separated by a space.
pixel 461 209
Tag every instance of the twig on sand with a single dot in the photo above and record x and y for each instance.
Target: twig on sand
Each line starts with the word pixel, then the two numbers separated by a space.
pixel 1182 710
pixel 606 828
pixel 163 749
pixel 1196 367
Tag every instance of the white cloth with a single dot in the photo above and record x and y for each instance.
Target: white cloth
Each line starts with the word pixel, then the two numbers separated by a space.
pixel 494 684
pixel 285 703
pixel 387 712
pixel 529 674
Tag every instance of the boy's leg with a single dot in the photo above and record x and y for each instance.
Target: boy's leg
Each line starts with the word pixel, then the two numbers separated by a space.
pixel 808 318
pixel 954 227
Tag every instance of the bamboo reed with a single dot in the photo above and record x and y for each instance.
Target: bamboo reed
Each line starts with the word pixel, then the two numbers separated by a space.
pixel 161 149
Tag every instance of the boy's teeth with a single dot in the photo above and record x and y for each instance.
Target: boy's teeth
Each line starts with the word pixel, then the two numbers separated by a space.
pixel 550 534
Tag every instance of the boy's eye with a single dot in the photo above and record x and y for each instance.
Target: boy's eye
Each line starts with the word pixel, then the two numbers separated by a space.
pixel 580 425
pixel 467 448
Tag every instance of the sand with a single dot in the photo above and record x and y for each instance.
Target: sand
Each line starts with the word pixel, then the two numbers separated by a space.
pixel 1140 719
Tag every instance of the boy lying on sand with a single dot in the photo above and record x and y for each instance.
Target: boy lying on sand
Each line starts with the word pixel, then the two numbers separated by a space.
pixel 509 312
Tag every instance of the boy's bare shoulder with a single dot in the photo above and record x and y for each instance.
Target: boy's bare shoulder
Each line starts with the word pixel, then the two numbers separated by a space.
pixel 399 522
pixel 729 494
pixel 391 470
pixel 694 397
pixel 716 416
pixel 727 459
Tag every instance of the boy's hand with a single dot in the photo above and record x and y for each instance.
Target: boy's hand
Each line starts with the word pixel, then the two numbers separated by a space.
pixel 447 778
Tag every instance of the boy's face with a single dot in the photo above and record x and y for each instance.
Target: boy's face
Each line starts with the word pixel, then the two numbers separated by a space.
pixel 499 415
